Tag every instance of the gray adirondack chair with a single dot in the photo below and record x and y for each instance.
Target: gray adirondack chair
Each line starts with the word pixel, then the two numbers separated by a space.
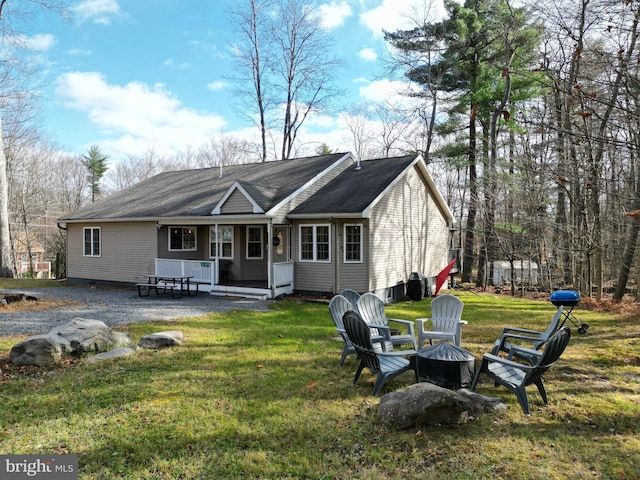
pixel 517 376
pixel 385 365
pixel 371 309
pixel 512 338
pixel 352 296
pixel 337 308
pixel 446 322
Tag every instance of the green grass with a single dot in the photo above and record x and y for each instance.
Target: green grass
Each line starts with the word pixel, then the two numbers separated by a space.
pixel 259 395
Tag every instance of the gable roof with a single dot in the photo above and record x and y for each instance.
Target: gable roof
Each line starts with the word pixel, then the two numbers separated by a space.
pixel 189 193
pixel 266 186
pixel 355 189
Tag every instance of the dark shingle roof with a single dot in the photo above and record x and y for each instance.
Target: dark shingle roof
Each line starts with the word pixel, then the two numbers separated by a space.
pixel 353 190
pixel 196 192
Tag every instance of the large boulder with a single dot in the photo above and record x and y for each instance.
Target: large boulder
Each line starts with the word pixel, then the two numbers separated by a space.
pixel 40 350
pixel 72 339
pixel 83 335
pixel 426 404
pixel 156 341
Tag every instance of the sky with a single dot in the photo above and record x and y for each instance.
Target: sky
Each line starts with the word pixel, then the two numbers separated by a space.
pixel 135 75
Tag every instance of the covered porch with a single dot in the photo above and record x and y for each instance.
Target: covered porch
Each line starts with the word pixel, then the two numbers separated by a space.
pixel 207 276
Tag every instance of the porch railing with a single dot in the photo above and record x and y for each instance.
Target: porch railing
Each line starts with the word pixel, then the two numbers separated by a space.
pixel 200 270
pixel 282 274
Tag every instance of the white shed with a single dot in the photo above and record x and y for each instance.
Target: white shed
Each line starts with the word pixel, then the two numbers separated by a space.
pixel 524 271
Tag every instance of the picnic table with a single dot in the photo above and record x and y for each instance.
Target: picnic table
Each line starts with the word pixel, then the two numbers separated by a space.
pixel 176 286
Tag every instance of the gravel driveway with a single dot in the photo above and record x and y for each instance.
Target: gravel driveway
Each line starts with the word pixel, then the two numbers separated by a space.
pixel 114 307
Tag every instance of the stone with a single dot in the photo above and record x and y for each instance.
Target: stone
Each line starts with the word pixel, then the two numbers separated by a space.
pixel 119 352
pixel 427 404
pixel 39 350
pixel 484 404
pixel 155 341
pixel 82 335
pixel 75 338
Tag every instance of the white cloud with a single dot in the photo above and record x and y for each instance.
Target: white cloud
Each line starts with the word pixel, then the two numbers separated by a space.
pixel 368 54
pixel 136 114
pixel 100 11
pixel 39 42
pixel 334 14
pixel 217 85
pixel 181 66
pixel 384 91
pixel 391 15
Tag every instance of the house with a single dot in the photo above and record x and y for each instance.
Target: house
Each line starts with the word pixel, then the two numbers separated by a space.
pixel 319 224
pixel 524 271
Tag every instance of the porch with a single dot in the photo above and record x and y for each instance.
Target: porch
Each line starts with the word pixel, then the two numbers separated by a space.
pixel 206 275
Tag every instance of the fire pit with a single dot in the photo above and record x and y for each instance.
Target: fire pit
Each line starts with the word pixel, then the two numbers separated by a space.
pixel 446 365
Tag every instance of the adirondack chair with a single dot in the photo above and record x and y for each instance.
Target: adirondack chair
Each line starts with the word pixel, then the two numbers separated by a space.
pixel 351 295
pixel 534 339
pixel 385 365
pixel 371 309
pixel 517 376
pixel 337 308
pixel 446 323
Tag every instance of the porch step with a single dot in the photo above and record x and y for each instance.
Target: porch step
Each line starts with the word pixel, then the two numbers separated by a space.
pixel 256 296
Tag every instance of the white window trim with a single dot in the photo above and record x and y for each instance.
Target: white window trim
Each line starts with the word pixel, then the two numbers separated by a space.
pixel 195 239
pixel 84 252
pixel 315 242
pixel 261 242
pixel 344 242
pixel 212 231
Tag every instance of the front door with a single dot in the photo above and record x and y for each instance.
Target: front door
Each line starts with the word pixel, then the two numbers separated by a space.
pixel 280 243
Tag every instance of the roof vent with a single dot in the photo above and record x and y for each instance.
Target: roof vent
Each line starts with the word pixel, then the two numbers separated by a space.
pixel 358 166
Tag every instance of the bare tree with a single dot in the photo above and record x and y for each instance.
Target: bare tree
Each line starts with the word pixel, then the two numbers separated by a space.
pixel 13 72
pixel 252 59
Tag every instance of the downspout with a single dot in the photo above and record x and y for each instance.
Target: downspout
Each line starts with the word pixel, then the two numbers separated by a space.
pixel 270 258
pixel 336 277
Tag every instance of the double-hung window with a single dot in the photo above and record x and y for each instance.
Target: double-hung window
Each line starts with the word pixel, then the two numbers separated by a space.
pixel 315 244
pixel 353 243
pixel 92 241
pixel 182 239
pixel 224 241
pixel 254 241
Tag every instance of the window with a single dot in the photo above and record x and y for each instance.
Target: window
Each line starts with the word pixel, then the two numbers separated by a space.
pixel 314 243
pixel 225 243
pixel 254 241
pixel 182 238
pixel 92 242
pixel 353 243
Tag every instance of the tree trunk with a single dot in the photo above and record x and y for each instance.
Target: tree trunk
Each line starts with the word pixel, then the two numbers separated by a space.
pixel 469 237
pixel 7 268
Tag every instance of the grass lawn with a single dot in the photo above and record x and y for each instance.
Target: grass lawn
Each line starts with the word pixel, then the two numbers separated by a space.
pixel 259 395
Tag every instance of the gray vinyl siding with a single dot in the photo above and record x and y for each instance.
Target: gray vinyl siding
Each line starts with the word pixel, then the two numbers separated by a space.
pixel 408 233
pixel 237 203
pixel 313 276
pixel 128 252
pixel 353 275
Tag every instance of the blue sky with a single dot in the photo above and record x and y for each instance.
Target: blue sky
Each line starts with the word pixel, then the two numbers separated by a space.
pixel 130 75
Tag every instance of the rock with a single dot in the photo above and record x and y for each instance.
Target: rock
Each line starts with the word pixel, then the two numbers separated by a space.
pixel 40 350
pixel 160 340
pixel 75 338
pixel 82 335
pixel 427 404
pixel 119 352
pixel 484 404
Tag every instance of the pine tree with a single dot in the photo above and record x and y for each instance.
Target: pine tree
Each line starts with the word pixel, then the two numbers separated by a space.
pixel 96 164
